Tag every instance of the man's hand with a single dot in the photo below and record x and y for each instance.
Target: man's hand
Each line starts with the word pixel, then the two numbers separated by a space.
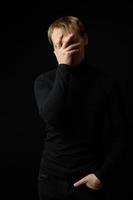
pixel 65 51
pixel 90 181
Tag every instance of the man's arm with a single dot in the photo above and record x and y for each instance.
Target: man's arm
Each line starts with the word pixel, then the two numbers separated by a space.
pixel 117 117
pixel 50 97
pixel 51 102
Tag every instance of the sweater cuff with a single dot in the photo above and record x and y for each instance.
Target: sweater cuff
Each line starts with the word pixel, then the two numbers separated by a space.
pixel 100 176
pixel 64 68
pixel 64 71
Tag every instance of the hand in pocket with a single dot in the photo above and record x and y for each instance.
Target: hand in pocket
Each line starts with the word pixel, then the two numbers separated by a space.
pixel 90 181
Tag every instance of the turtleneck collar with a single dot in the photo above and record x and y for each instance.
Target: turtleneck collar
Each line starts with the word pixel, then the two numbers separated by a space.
pixel 81 66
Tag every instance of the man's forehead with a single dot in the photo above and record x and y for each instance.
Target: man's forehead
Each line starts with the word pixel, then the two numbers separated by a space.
pixel 57 34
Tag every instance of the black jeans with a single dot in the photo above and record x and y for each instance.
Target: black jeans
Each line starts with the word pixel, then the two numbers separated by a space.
pixel 52 187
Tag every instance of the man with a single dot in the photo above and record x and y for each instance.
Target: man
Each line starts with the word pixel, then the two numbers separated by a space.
pixel 74 100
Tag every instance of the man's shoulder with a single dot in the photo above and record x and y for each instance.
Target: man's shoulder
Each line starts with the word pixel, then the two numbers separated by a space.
pixel 45 79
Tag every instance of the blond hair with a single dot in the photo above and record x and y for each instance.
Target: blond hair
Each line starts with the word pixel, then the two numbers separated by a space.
pixel 67 24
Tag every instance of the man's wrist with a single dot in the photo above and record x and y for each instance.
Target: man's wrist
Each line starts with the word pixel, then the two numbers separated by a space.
pixel 64 67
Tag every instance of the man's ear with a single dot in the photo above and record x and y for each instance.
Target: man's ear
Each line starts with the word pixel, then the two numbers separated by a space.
pixel 86 39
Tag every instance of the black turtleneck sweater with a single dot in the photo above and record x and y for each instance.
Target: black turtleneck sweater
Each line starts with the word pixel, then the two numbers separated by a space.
pixel 76 104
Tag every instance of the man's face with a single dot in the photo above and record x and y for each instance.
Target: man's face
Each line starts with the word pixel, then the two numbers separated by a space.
pixel 59 35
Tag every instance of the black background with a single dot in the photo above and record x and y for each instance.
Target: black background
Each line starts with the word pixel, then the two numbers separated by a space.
pixel 109 29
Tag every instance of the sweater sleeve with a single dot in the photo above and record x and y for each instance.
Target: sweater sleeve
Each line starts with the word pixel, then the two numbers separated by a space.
pixel 50 96
pixel 117 118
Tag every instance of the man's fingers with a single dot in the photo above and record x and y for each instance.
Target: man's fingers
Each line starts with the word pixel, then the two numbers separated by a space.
pixel 73 51
pixel 73 46
pixel 80 182
pixel 67 41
